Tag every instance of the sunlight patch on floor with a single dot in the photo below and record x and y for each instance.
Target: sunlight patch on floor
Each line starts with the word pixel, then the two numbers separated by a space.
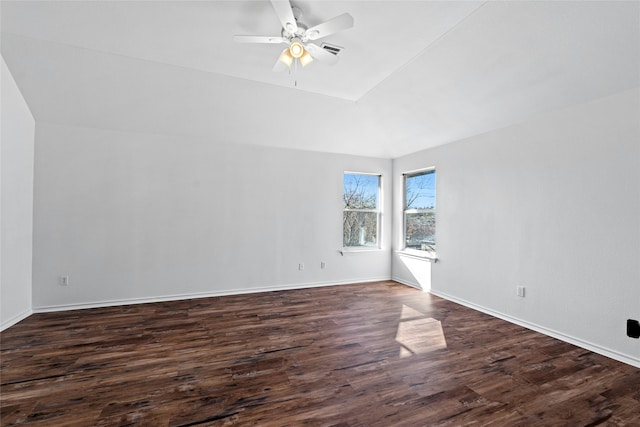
pixel 409 313
pixel 418 334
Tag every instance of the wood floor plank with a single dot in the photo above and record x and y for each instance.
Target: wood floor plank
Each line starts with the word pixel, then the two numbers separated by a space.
pixel 371 354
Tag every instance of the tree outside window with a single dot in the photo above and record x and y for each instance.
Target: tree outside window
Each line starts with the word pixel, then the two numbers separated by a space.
pixel 361 214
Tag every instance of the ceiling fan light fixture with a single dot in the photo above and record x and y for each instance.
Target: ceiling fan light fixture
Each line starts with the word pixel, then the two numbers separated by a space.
pixel 296 49
pixel 286 57
pixel 306 58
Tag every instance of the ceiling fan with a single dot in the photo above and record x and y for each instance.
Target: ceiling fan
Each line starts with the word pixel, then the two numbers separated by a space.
pixel 299 38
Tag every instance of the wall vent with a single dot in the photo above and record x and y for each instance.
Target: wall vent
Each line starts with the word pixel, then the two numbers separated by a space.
pixel 332 48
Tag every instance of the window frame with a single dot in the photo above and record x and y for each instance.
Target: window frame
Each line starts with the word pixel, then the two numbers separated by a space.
pixel 377 211
pixel 428 254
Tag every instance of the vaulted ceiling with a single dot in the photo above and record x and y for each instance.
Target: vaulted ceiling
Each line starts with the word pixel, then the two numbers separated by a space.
pixel 412 75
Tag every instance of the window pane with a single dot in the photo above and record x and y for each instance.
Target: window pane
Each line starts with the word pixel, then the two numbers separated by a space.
pixel 359 228
pixel 420 191
pixel 420 211
pixel 360 191
pixel 420 232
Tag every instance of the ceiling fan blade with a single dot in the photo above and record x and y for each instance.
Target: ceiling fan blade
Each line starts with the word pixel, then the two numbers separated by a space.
pixel 259 39
pixel 285 15
pixel 320 54
pixel 339 23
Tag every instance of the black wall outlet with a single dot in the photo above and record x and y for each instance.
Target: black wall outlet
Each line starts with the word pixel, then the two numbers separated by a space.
pixel 633 328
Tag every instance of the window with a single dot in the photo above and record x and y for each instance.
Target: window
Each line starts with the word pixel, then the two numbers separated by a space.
pixel 420 211
pixel 361 214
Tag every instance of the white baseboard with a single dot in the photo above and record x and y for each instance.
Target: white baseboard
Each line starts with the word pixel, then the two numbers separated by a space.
pixel 410 284
pixel 177 297
pixel 15 319
pixel 633 361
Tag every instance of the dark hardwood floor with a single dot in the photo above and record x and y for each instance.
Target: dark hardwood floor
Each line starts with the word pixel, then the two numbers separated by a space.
pixel 375 354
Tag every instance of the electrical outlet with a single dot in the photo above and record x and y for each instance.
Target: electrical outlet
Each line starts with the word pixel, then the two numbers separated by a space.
pixel 323 265
pixel 301 266
pixel 520 291
pixel 64 280
pixel 633 328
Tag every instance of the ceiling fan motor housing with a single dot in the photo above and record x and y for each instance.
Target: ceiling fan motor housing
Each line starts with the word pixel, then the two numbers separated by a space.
pixel 300 33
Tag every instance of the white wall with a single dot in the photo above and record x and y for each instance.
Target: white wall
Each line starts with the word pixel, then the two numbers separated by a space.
pixel 552 204
pixel 16 212
pixel 141 217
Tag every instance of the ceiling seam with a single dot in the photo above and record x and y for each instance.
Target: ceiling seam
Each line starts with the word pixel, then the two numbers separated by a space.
pixel 422 51
pixel 151 61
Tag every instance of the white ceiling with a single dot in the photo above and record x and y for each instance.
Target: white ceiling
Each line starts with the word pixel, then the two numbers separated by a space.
pixel 414 74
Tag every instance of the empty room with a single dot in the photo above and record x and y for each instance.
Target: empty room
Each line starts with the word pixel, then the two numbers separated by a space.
pixel 325 213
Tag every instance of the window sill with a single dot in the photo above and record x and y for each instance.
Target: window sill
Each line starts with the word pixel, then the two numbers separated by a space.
pixel 417 255
pixel 350 251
